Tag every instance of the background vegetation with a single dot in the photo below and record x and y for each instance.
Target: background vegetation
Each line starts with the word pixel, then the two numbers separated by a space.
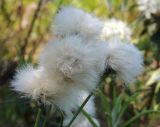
pixel 25 27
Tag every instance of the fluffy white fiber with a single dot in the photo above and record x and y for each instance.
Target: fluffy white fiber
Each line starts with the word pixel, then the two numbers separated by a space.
pixel 71 65
pixel 74 65
pixel 38 85
pixel 73 62
pixel 149 7
pixel 114 28
pixel 125 59
pixel 73 21
pixel 28 81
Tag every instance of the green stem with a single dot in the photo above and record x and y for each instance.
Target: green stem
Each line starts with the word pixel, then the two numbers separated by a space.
pixel 80 109
pixel 38 117
pixel 45 120
pixel 89 118
pixel 48 110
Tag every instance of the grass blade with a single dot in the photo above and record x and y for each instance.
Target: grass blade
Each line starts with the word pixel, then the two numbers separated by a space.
pixel 89 118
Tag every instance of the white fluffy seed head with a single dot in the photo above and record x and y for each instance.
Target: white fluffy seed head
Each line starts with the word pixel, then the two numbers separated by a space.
pixel 36 84
pixel 73 21
pixel 33 83
pixel 27 81
pixel 66 66
pixel 114 28
pixel 75 65
pixel 125 59
pixel 72 61
pixel 149 7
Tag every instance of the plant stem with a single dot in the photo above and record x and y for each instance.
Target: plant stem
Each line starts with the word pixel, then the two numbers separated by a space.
pixel 38 117
pixel 48 110
pixel 45 120
pixel 80 109
pixel 89 118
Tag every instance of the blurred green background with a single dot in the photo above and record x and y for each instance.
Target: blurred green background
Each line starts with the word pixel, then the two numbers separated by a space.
pixel 25 27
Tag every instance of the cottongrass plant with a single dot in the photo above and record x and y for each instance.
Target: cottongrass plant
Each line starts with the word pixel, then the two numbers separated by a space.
pixel 114 28
pixel 149 7
pixel 72 21
pixel 71 66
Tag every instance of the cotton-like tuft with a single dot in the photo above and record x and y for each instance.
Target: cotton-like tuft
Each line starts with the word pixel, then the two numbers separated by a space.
pixel 73 65
pixel 38 85
pixel 27 81
pixel 125 59
pixel 114 28
pixel 66 66
pixel 149 7
pixel 73 21
pixel 73 62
